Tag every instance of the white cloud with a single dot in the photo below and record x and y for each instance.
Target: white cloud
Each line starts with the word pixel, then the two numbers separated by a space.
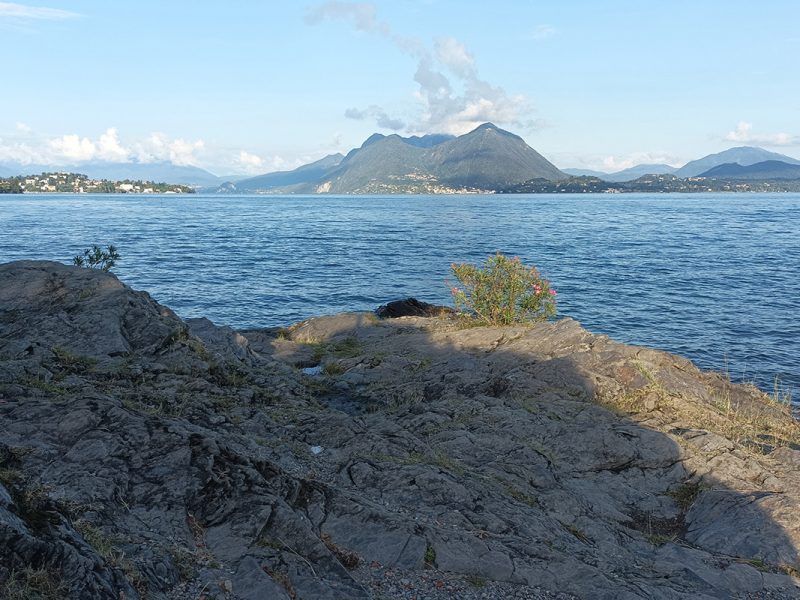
pixel 23 127
pixel 109 147
pixel 19 152
pixel 12 10
pixel 452 97
pixel 27 148
pixel 543 32
pixel 743 134
pixel 159 147
pixel 249 163
pixel 362 15
pixel 72 148
pixel 455 56
pixel 279 163
pixel 382 119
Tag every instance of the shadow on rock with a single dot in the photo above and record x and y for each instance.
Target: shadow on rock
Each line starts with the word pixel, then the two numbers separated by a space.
pixel 144 457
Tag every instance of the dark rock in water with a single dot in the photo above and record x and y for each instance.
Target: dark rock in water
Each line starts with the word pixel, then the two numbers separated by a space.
pixel 141 457
pixel 411 307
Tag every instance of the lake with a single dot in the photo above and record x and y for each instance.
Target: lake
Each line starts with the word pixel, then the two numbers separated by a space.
pixel 713 277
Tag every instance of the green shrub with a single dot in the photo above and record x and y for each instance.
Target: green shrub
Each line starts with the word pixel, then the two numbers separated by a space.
pixel 97 258
pixel 503 291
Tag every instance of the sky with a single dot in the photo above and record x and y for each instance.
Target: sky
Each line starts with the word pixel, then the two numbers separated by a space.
pixel 244 87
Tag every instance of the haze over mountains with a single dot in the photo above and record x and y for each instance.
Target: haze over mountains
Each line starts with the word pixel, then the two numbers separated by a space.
pixel 162 171
pixel 628 174
pixel 487 158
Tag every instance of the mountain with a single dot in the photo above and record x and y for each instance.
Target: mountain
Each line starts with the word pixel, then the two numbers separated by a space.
pixel 626 174
pixel 768 169
pixel 638 171
pixel 490 157
pixel 156 171
pixel 306 174
pixel 159 172
pixel 743 155
pixel 376 163
pixel 586 173
pixel 487 158
pixel 428 141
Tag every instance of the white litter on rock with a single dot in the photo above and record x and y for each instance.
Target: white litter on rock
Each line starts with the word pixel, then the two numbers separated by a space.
pixel 316 449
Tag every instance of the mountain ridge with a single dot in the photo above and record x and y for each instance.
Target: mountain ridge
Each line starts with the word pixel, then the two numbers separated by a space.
pixel 765 170
pixel 485 159
pixel 742 155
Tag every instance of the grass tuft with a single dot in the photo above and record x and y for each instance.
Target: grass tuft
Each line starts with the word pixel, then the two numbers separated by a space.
pixel 32 584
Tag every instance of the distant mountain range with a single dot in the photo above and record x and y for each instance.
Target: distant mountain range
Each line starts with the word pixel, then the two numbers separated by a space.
pixel 286 179
pixel 159 172
pixel 487 158
pixel 626 174
pixel 766 170
pixel 743 155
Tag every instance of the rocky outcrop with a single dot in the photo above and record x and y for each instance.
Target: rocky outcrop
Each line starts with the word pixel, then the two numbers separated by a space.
pixel 142 456
pixel 411 307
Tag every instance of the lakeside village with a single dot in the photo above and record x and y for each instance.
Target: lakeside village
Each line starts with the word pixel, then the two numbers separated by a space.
pixel 82 184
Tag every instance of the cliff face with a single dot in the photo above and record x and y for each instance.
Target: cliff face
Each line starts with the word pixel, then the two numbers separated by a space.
pixel 351 457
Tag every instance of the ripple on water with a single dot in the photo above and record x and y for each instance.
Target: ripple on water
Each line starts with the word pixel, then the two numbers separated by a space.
pixel 712 277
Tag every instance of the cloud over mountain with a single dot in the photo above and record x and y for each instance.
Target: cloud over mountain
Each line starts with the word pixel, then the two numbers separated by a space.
pixel 28 148
pixel 744 134
pixel 452 97
pixel 382 119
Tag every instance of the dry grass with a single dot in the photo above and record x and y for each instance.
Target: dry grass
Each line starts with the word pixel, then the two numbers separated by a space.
pixel 756 421
pixel 32 584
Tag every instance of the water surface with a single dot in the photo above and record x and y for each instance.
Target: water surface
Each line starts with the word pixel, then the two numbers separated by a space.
pixel 713 277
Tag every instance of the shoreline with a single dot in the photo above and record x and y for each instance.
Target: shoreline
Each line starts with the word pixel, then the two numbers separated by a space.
pixel 205 194
pixel 351 456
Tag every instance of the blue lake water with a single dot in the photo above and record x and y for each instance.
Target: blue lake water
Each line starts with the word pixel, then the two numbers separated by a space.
pixel 713 277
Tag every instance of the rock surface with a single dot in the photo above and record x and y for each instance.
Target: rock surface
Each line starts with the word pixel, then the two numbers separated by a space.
pixel 142 456
pixel 411 307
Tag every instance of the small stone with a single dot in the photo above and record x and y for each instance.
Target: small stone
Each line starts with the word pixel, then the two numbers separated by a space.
pixel 651 402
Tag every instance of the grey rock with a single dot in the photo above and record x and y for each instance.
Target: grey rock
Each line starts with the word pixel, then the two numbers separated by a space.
pixel 146 456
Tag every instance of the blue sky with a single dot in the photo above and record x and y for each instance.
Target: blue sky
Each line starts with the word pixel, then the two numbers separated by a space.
pixel 243 86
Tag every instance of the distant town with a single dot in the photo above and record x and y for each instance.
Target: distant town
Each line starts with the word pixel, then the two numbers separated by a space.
pixel 659 184
pixel 82 184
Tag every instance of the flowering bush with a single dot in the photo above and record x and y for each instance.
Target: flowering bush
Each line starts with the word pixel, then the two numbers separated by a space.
pixel 503 291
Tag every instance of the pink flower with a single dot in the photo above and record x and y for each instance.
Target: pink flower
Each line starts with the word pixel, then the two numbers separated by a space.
pixel 455 291
pixel 552 292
